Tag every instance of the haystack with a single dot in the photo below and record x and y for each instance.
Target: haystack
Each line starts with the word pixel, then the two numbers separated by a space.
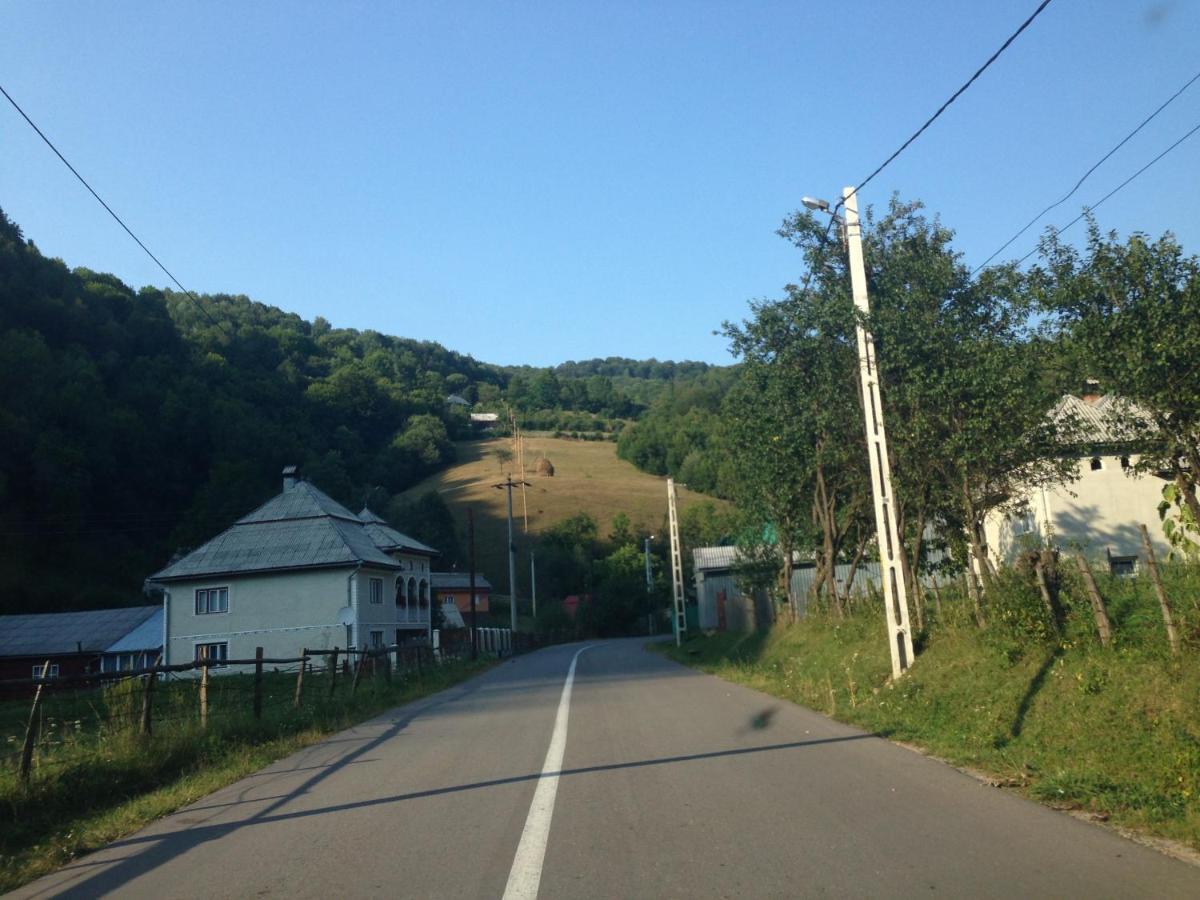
pixel 545 467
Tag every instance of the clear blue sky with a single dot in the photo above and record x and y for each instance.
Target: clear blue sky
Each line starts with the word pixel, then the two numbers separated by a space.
pixel 536 182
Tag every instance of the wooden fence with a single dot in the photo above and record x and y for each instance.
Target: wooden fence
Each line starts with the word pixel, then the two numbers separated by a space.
pixel 341 666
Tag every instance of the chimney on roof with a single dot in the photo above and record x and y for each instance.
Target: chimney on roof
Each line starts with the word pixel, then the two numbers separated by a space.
pixel 1091 392
pixel 291 474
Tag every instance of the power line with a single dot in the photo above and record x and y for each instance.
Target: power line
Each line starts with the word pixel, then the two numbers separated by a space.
pixel 1084 178
pixel 100 200
pixel 941 109
pixel 1117 188
pixel 916 134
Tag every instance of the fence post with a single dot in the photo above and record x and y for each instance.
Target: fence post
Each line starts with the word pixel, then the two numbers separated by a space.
pixel 1098 610
pixel 204 692
pixel 333 664
pixel 148 697
pixel 31 728
pixel 1164 604
pixel 300 677
pixel 258 658
pixel 418 655
pixel 362 661
pixel 387 666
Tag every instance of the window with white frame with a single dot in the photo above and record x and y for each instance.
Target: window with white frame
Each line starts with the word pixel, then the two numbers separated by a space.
pixel 216 652
pixel 376 640
pixel 212 600
pixel 39 668
pixel 376 590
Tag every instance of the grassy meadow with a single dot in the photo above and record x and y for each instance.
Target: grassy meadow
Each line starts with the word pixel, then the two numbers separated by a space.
pixel 588 477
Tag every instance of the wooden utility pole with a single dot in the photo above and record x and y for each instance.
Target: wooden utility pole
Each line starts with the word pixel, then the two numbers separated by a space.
pixel 258 673
pixel 508 485
pixel 471 581
pixel 204 689
pixel 533 582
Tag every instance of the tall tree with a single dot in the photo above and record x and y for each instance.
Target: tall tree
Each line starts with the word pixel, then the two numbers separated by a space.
pixel 1131 313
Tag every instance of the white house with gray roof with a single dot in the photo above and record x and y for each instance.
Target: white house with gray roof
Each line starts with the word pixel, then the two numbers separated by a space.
pixel 299 571
pixel 1101 511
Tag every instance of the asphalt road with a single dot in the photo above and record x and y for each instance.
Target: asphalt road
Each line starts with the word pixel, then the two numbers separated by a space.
pixel 647 780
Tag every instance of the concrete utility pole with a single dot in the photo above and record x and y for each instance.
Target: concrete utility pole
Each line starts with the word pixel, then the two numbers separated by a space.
pixel 679 613
pixel 508 485
pixel 895 593
pixel 533 581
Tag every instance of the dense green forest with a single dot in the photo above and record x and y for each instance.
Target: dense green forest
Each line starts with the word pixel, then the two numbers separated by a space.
pixel 136 423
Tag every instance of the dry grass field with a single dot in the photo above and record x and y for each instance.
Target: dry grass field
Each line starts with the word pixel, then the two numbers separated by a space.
pixel 588 477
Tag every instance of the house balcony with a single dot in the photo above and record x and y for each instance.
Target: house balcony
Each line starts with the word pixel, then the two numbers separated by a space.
pixel 412 615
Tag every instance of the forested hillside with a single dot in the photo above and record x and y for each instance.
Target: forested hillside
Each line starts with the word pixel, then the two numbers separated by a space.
pixel 136 423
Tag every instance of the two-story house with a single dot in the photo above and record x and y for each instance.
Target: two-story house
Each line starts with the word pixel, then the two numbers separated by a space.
pixel 299 571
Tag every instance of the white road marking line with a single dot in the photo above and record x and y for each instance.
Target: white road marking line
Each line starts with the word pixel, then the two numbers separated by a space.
pixel 526 872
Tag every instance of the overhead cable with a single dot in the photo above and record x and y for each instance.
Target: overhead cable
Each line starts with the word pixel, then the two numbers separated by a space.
pixel 1114 190
pixel 941 109
pixel 1085 175
pixel 195 300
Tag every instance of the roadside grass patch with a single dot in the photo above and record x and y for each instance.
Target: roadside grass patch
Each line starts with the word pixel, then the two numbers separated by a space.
pixel 1112 731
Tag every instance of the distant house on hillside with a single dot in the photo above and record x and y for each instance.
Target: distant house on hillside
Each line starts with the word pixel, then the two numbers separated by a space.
pixel 80 643
pixel 456 400
pixel 1100 513
pixel 299 571
pixel 455 587
pixel 484 421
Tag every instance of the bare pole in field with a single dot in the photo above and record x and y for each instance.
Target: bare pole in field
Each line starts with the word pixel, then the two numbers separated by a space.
pixel 521 466
pixel 507 485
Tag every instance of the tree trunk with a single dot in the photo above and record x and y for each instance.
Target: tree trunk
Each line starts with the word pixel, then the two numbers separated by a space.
pixel 787 581
pixel 937 595
pixel 829 549
pixel 1187 490
pixel 910 582
pixel 858 555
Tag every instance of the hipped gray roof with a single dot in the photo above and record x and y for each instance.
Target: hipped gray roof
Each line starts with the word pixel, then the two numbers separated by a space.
pixel 59 634
pixel 1110 419
pixel 300 528
pixel 388 538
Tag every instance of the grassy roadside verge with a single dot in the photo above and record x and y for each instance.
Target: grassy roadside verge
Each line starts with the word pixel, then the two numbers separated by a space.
pixel 1112 732
pixel 129 780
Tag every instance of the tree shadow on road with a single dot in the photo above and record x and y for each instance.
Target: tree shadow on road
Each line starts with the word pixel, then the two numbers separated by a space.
pixel 147 852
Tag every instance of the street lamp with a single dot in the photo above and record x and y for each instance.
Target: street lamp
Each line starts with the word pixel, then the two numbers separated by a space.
pixel 895 593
